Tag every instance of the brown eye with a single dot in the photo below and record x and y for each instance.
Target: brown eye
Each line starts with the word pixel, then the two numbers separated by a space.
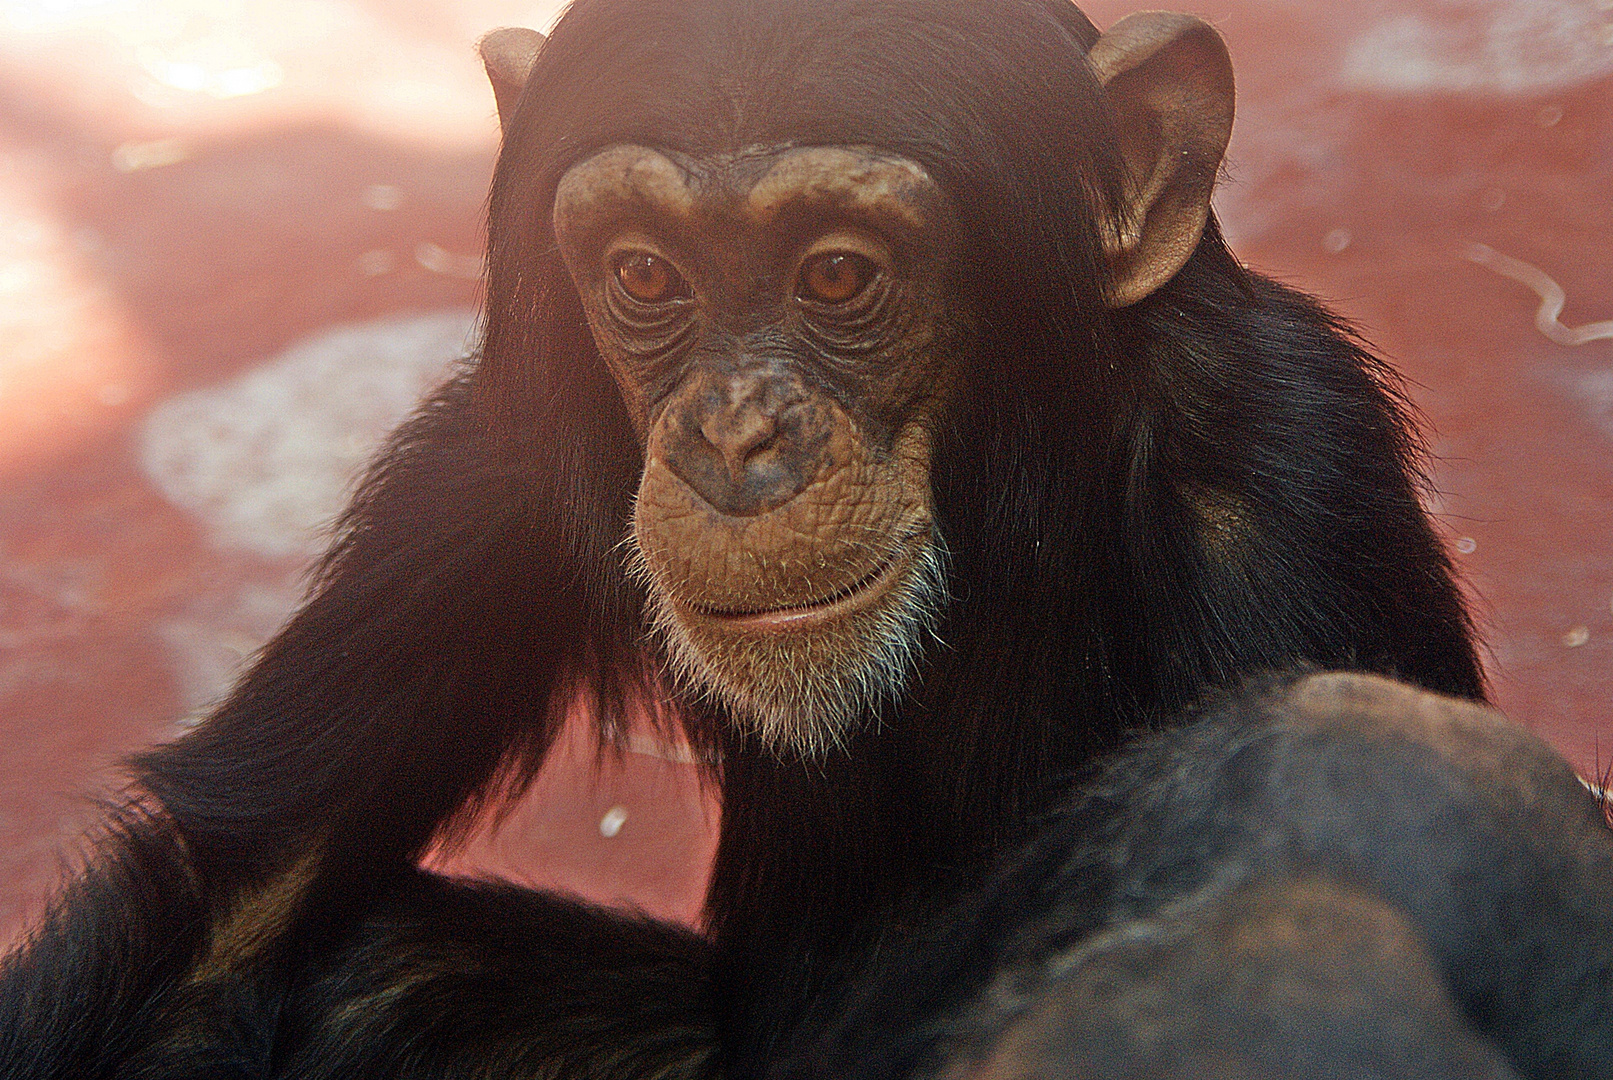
pixel 649 279
pixel 835 278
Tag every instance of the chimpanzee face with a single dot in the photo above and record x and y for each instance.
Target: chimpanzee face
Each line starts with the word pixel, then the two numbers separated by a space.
pixel 777 321
pixel 786 327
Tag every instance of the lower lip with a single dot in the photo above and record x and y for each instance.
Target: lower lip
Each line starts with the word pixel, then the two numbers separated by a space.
pixel 802 618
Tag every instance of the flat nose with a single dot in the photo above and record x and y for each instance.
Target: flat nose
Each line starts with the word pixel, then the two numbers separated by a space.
pixel 747 442
pixel 740 430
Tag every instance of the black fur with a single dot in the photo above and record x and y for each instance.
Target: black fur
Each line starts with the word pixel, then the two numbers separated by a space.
pixel 477 587
pixel 1474 833
pixel 452 980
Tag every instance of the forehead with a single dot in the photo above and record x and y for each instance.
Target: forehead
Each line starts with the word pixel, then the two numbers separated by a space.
pixel 756 184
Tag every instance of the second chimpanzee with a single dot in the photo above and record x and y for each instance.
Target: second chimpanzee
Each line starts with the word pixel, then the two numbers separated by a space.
pixel 866 391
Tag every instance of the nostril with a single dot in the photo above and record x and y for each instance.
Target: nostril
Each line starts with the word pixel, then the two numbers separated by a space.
pixel 738 434
pixel 740 442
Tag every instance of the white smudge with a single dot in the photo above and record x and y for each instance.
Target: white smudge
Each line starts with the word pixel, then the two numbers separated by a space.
pixel 134 156
pixel 439 260
pixel 612 822
pixel 268 460
pixel 1596 391
pixel 1484 47
pixel 382 197
pixel 653 746
pixel 1552 297
pixel 377 261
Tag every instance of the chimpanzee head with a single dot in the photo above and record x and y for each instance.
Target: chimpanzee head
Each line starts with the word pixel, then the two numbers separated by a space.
pixel 777 255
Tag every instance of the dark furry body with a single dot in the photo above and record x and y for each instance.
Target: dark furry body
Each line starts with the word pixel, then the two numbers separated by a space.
pixel 1251 895
pixel 1140 505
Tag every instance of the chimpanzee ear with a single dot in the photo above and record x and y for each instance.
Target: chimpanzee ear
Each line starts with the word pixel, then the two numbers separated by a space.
pixel 508 55
pixel 1169 80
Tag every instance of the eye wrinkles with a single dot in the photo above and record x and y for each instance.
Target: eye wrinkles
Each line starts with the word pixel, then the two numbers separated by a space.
pixel 828 279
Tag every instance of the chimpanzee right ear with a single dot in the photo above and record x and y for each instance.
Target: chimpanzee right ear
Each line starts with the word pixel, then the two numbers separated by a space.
pixel 1169 80
pixel 508 55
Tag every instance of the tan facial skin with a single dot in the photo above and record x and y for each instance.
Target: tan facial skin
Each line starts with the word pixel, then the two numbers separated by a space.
pixel 783 525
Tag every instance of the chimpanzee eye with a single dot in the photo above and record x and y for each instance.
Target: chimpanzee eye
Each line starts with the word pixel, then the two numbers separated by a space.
pixel 834 277
pixel 649 279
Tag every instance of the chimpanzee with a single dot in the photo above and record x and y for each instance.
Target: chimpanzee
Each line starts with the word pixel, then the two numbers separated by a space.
pixel 867 393
pixel 1319 877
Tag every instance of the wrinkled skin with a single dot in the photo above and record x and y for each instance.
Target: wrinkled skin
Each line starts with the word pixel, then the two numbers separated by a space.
pixel 776 322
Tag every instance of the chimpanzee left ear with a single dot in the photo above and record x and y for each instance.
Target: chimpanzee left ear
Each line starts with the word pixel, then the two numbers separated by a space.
pixel 1169 79
pixel 508 55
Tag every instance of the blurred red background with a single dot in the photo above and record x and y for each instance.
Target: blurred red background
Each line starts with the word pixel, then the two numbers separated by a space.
pixel 238 237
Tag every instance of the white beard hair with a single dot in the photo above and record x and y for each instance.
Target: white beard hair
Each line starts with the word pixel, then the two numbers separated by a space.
pixel 789 702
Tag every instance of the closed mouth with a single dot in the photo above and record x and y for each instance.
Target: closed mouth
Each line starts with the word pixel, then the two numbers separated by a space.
pixel 842 602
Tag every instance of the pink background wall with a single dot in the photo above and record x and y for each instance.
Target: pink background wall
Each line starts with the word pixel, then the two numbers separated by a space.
pixel 238 237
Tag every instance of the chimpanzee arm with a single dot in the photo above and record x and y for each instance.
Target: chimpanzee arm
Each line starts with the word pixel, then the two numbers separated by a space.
pixel 451 979
pixel 104 986
pixel 1292 978
pixel 1469 825
pixel 438 640
pixel 443 640
pixel 442 979
pixel 1468 828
